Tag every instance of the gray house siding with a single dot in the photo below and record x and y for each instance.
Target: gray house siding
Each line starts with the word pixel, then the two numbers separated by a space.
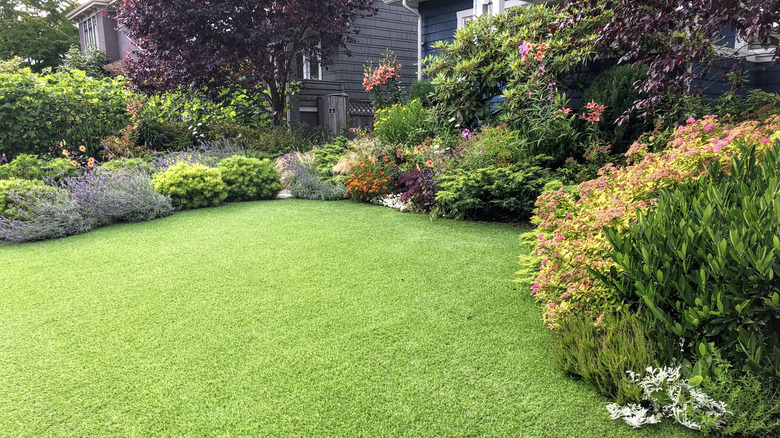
pixel 440 21
pixel 392 28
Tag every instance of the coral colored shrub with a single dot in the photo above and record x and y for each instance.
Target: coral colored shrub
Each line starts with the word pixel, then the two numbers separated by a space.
pixel 369 179
pixel 249 179
pixel 570 237
pixel 192 185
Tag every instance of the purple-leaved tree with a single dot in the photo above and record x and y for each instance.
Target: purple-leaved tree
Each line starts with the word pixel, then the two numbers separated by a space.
pixel 218 45
pixel 679 40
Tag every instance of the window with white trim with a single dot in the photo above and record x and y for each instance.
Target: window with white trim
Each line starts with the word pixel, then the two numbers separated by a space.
pixel 464 17
pixel 753 51
pixel 90 32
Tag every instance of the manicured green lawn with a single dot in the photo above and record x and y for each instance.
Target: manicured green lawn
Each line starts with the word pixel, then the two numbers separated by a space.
pixel 283 318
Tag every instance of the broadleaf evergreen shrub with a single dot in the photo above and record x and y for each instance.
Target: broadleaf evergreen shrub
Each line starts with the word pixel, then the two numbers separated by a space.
pixel 706 263
pixel 191 185
pixel 249 179
pixel 491 193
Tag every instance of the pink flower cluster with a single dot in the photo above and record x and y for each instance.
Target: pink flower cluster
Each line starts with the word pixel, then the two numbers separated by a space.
pixel 386 71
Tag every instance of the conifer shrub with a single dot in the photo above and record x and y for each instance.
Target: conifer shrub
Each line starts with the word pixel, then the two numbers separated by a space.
pixel 191 185
pixel 249 179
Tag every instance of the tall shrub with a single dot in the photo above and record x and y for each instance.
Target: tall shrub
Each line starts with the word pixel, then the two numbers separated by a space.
pixel 39 111
pixel 706 263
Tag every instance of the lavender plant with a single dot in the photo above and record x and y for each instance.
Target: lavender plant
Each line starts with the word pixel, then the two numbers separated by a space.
pixel 105 196
pixel 41 213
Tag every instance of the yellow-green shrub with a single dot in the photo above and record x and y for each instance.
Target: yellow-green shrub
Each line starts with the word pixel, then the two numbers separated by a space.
pixel 570 237
pixel 192 185
pixel 401 124
pixel 249 179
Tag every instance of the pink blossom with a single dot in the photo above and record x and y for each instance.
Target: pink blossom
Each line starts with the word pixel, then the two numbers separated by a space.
pixel 541 236
pixel 551 304
pixel 550 326
pixel 691 152
pixel 559 238
pixel 709 128
pixel 690 120
pixel 764 140
pixel 568 216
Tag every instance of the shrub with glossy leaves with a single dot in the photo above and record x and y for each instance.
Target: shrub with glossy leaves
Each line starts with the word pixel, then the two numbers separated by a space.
pixel 192 185
pixel 570 238
pixel 706 263
pixel 249 179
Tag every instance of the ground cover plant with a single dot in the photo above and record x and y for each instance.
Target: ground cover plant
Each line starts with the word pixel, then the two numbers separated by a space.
pixel 291 318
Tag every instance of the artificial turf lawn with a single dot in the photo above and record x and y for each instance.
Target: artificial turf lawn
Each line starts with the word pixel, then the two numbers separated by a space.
pixel 283 318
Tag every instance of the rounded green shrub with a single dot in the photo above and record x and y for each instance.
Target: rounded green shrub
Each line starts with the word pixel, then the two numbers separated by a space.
pixel 17 186
pixel 249 179
pixel 168 135
pixel 192 185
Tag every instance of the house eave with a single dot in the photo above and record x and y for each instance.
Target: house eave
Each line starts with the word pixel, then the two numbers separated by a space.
pixel 88 9
pixel 414 4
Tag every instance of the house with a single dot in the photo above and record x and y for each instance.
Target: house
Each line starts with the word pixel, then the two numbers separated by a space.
pixel 341 82
pixel 438 20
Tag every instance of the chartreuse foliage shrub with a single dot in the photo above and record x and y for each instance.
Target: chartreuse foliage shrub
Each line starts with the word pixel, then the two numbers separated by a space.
pixel 27 166
pixel 39 111
pixel 401 124
pixel 192 185
pixel 706 263
pixel 490 193
pixel 519 56
pixel 249 179
pixel 570 238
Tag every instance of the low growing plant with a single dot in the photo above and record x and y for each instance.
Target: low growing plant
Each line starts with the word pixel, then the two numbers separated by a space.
pixel 249 179
pixel 191 185
pixel 105 196
pixel 39 214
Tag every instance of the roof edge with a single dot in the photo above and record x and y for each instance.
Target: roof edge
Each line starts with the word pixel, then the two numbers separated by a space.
pixel 88 8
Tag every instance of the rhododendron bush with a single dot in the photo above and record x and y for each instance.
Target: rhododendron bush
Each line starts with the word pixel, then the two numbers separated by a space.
pixel 569 239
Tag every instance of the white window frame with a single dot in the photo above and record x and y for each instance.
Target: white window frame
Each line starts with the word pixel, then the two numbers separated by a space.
pixel 90 32
pixel 464 17
pixel 754 54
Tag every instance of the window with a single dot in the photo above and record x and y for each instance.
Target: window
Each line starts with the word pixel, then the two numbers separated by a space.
pixel 90 32
pixel 753 51
pixel 464 17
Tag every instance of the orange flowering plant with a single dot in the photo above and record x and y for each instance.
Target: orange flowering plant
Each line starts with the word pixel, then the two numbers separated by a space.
pixel 77 157
pixel 569 238
pixel 383 81
pixel 370 178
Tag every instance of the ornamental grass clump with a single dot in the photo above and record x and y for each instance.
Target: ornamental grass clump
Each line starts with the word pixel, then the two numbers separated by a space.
pixel 571 242
pixel 105 196
pixel 301 174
